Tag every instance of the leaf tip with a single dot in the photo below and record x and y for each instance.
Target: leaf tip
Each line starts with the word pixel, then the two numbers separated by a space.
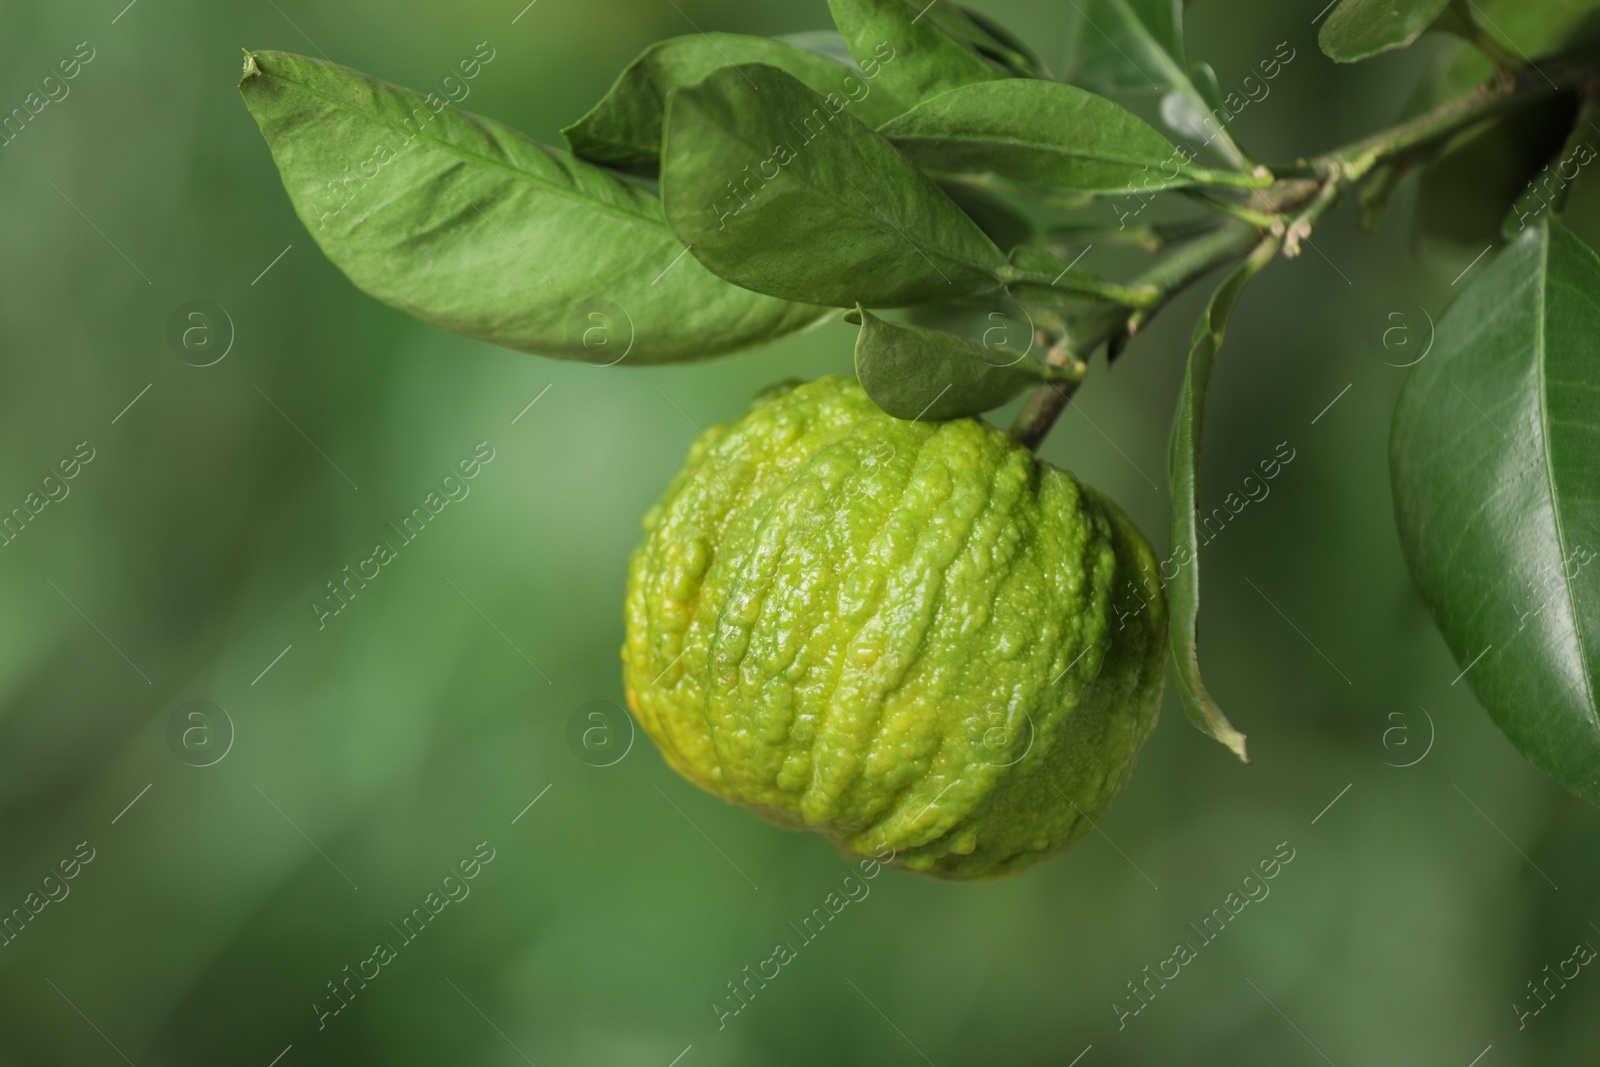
pixel 251 68
pixel 1235 742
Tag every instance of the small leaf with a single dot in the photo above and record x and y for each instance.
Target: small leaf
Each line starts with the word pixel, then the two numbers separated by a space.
pixel 467 224
pixel 989 39
pixel 776 191
pixel 1047 135
pixel 1204 78
pixel 1361 29
pixel 1495 464
pixel 1136 46
pixel 1529 29
pixel 917 373
pixel 624 129
pixel 1130 46
pixel 1196 114
pixel 914 58
pixel 1183 470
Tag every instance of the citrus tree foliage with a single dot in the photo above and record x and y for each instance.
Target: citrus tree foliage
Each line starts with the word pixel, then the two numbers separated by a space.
pixel 731 190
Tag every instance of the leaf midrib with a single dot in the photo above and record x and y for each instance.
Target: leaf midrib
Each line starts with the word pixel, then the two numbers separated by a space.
pixel 877 220
pixel 1550 479
pixel 1017 142
pixel 565 192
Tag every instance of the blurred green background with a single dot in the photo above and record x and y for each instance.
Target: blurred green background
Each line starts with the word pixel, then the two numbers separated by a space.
pixel 358 763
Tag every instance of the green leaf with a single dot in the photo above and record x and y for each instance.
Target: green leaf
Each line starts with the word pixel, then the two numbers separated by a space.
pixel 917 373
pixel 1361 29
pixel 989 39
pixel 1047 135
pixel 467 224
pixel 1129 46
pixel 1136 46
pixel 624 129
pixel 1183 471
pixel 776 191
pixel 1529 29
pixel 911 54
pixel 1495 465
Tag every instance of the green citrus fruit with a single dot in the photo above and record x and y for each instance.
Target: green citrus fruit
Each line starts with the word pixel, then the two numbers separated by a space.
pixel 903 635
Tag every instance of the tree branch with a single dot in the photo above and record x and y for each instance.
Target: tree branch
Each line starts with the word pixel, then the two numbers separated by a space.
pixel 1310 187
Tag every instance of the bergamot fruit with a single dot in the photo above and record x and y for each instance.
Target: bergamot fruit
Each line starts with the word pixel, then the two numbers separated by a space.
pixel 902 635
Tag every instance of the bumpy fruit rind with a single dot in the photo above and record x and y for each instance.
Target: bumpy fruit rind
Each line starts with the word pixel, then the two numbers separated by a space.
pixel 902 634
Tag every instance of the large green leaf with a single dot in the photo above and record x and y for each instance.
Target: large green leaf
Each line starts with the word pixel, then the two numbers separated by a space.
pixel 1046 135
pixel 908 53
pixel 1136 46
pixel 1360 29
pixel 916 373
pixel 624 129
pixel 774 189
pixel 467 224
pixel 1183 471
pixel 1495 460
